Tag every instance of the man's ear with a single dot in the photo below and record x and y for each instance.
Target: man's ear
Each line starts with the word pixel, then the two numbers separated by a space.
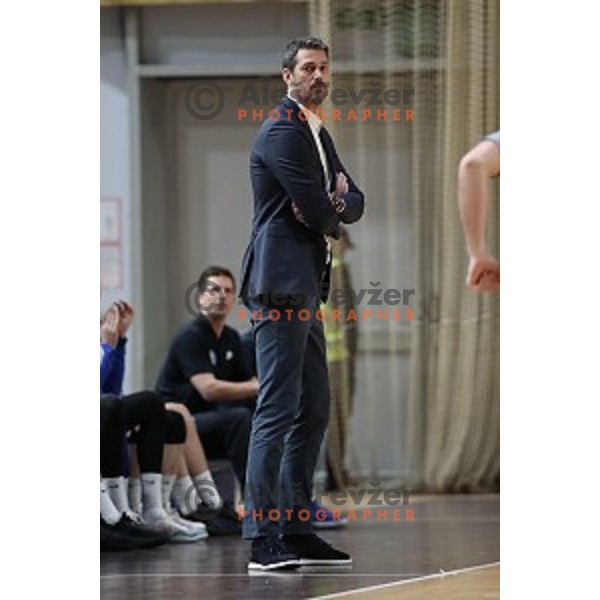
pixel 286 75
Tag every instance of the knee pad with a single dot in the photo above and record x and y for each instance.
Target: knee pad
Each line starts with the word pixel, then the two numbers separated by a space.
pixel 175 428
pixel 153 402
pixel 111 408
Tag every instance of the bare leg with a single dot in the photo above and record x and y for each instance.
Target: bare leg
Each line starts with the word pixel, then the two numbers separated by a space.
pixel 194 479
pixel 134 464
pixel 172 457
pixel 194 452
pixel 182 470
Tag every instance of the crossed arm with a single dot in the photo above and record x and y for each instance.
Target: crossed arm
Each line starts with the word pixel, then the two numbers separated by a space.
pixel 288 156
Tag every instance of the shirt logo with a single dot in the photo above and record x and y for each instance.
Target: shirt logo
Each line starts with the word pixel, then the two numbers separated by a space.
pixel 213 357
pixel 229 355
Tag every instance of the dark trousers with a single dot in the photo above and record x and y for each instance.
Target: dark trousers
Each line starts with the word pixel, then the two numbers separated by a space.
pixel 289 422
pixel 225 433
pixel 151 426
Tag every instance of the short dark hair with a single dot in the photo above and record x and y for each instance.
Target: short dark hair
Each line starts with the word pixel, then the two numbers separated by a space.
pixel 291 50
pixel 213 271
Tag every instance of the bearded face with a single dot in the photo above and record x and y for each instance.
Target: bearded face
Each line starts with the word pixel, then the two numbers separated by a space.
pixel 308 81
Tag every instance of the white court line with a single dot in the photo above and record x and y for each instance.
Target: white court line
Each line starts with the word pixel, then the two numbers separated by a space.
pixel 406 582
pixel 259 573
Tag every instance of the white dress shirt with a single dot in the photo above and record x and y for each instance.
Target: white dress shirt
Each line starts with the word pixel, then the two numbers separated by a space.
pixel 315 127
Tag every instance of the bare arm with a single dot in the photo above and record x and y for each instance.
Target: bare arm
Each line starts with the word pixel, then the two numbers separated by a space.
pixel 476 167
pixel 217 390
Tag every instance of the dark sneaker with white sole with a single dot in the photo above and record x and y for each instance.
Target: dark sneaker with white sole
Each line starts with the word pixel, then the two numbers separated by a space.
pixel 270 553
pixel 312 550
pixel 222 521
pixel 127 535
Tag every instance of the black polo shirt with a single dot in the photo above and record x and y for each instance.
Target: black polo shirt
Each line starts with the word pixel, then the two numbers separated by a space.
pixel 196 349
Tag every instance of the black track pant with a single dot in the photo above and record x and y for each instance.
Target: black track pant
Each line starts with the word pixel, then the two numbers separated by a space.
pixel 150 424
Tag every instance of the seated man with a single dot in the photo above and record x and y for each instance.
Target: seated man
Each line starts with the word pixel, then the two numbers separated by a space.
pixel 141 414
pixel 195 494
pixel 205 370
pixel 150 427
pixel 119 529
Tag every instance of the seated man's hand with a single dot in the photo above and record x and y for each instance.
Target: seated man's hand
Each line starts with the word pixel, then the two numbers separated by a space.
pixel 109 327
pixel 126 314
pixel 483 274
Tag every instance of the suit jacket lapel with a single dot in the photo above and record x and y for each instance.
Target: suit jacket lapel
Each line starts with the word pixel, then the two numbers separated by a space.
pixel 329 154
pixel 288 103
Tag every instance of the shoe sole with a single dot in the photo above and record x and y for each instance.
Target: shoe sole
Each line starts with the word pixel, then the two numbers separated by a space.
pixel 328 524
pixel 188 540
pixel 294 562
pixel 315 562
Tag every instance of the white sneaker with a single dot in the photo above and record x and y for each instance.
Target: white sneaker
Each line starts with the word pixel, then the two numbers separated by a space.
pixel 188 534
pixel 200 528
pixel 177 532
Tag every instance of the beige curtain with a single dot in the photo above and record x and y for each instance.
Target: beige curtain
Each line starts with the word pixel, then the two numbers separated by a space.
pixel 437 417
pixel 453 432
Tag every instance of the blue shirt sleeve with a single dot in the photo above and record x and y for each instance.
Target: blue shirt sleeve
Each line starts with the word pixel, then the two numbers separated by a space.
pixel 112 368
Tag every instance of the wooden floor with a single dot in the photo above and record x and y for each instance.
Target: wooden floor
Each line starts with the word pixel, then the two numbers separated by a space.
pixel 450 550
pixel 463 584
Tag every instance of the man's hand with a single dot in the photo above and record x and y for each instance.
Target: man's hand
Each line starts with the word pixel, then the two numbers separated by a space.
pixel 483 274
pixel 341 187
pixel 298 214
pixel 109 328
pixel 341 184
pixel 125 316
pixel 474 171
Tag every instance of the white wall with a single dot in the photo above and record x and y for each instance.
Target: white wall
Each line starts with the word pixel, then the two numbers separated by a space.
pixel 233 35
pixel 115 167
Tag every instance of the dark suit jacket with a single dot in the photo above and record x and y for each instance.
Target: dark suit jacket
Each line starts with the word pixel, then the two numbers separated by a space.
pixel 285 256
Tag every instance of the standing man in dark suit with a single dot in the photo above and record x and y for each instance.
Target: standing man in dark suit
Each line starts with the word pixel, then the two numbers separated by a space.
pixel 301 195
